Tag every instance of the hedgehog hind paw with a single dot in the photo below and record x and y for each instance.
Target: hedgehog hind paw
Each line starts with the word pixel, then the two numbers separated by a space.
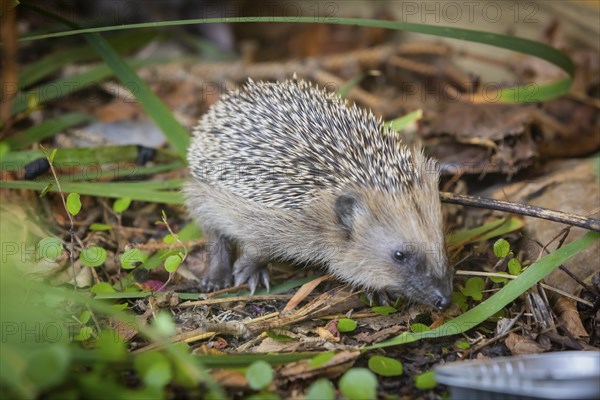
pixel 209 284
pixel 219 271
pixel 252 273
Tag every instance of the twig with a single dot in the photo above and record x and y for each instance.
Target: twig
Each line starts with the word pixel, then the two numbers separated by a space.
pixel 234 299
pixel 522 209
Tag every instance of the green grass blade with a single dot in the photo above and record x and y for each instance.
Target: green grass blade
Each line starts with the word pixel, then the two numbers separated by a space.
pixel 81 157
pixel 122 43
pixel 76 157
pixel 47 128
pixel 487 231
pixel 71 84
pixel 532 92
pixel 400 123
pixel 135 190
pixel 155 108
pixel 497 302
pixel 121 173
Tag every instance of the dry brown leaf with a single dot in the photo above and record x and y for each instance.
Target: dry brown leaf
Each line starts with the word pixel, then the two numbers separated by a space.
pixel 218 343
pixel 205 349
pixel 127 330
pixel 332 327
pixel 333 368
pixel 568 314
pixel 270 345
pixel 230 378
pixel 326 334
pixel 118 110
pixel 304 291
pixel 439 321
pixel 518 344
pixel 374 337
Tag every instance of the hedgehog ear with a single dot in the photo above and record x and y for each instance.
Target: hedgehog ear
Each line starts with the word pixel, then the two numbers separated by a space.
pixel 347 207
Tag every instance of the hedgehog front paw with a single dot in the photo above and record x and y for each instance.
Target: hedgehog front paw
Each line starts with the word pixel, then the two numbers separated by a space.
pixel 246 270
pixel 380 297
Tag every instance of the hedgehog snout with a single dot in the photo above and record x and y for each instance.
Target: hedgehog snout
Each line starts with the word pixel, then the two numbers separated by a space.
pixel 442 300
pixel 441 294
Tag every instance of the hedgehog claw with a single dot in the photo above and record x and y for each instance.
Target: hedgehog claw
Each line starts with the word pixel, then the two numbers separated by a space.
pixel 250 272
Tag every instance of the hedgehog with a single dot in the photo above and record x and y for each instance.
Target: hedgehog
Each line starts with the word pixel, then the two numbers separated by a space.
pixel 287 171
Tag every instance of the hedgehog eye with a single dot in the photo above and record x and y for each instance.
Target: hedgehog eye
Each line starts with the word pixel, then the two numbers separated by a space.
pixel 399 256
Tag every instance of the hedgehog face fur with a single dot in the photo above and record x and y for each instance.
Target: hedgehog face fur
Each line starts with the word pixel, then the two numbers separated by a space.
pixel 287 166
pixel 390 246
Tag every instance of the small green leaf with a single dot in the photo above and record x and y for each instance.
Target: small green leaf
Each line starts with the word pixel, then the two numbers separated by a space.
pixel 4 148
pixel 463 345
pixel 85 332
pixel 383 310
pixel 172 262
pixel 460 300
pixel 385 366
pixel 73 203
pixel 122 204
pixel 259 374
pixel 111 346
pixel 92 256
pixel 321 359
pixel 154 369
pixel 425 381
pixel 47 366
pixel 321 389
pixel 85 316
pixel 501 248
pixel 100 227
pixel 418 327
pixel 133 258
pixel 497 279
pixel 50 248
pixel 164 324
pixel 346 325
pixel 473 288
pixel 169 239
pixel 102 287
pixel 358 384
pixel 514 266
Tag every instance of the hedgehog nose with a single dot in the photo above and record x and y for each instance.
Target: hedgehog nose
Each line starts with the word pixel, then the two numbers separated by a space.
pixel 442 302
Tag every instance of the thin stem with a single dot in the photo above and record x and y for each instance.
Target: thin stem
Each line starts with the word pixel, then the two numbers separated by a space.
pixel 71 222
